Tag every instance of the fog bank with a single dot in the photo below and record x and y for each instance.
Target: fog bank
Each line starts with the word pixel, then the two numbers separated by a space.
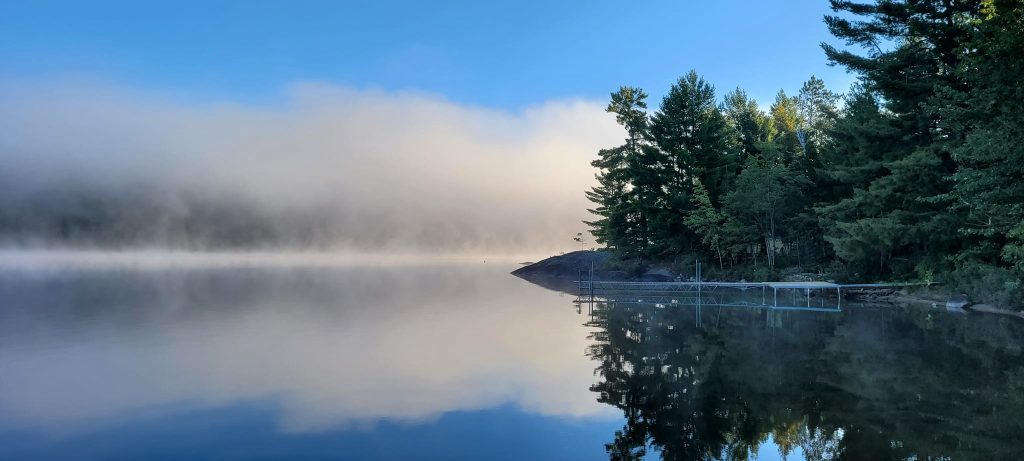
pixel 83 164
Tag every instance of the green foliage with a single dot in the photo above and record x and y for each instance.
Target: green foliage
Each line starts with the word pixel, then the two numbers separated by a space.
pixel 753 127
pixel 645 186
pixel 619 226
pixel 696 138
pixel 697 143
pixel 988 113
pixel 767 193
pixel 816 107
pixel 785 119
pixel 629 197
pixel 706 221
pixel 889 162
pixel 919 172
pixel 984 283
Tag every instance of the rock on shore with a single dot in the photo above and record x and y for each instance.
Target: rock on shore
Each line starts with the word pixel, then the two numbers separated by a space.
pixel 559 272
pixel 568 265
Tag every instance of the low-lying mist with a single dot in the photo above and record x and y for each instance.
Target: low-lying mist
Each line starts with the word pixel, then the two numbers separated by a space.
pixel 89 165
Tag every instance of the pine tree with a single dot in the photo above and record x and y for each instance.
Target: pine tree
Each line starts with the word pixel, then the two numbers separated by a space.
pixel 625 195
pixel 989 111
pixel 697 142
pixel 706 221
pixel 752 126
pixel 612 176
pixel 785 119
pixel 817 112
pixel 902 216
pixel 879 181
pixel 609 197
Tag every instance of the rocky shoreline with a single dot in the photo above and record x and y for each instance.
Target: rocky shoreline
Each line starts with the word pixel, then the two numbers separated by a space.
pixel 562 271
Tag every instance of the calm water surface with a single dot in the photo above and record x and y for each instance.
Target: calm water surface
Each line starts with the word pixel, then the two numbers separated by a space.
pixel 463 361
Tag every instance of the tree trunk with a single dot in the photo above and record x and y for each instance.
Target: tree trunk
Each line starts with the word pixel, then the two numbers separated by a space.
pixel 718 250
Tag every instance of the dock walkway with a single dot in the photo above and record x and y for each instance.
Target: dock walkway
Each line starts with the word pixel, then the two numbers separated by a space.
pixel 692 292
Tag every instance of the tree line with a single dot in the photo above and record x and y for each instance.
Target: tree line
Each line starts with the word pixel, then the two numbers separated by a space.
pixel 916 171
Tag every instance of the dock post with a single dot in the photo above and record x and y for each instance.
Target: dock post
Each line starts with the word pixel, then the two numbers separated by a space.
pixel 697 276
pixel 591 281
pixel 698 293
pixel 775 292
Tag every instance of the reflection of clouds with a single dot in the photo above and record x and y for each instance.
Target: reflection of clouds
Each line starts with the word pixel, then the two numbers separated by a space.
pixel 336 349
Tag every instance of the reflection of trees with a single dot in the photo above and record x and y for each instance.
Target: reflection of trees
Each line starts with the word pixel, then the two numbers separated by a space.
pixel 879 384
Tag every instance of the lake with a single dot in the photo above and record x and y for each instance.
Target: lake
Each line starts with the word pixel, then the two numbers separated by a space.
pixel 457 359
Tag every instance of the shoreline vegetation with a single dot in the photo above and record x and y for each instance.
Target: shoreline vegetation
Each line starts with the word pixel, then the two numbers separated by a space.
pixel 561 272
pixel 912 175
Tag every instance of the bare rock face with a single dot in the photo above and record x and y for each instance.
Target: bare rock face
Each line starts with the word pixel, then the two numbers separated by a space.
pixel 568 265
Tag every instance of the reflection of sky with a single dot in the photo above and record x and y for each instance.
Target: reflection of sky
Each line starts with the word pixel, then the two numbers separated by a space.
pixel 768 451
pixel 248 431
pixel 381 361
pixel 336 348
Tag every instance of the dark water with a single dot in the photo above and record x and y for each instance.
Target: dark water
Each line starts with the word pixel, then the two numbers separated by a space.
pixel 458 361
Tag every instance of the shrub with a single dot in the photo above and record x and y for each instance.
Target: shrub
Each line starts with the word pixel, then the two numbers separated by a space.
pixel 988 284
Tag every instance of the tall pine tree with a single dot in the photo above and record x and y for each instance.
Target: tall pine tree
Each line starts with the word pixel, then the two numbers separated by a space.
pixel 988 112
pixel 628 196
pixel 912 49
pixel 752 126
pixel 697 142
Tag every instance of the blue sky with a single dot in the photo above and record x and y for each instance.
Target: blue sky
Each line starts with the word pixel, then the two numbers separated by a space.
pixel 507 55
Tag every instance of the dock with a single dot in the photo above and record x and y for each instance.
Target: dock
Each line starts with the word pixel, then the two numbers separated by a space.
pixel 707 293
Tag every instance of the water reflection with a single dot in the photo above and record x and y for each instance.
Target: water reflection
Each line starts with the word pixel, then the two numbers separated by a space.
pixel 866 383
pixel 338 352
pixel 337 347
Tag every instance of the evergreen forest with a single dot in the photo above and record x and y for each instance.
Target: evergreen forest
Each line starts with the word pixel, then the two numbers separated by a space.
pixel 916 172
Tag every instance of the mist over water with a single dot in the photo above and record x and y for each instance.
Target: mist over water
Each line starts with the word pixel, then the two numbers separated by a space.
pixel 93 165
pixel 353 344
